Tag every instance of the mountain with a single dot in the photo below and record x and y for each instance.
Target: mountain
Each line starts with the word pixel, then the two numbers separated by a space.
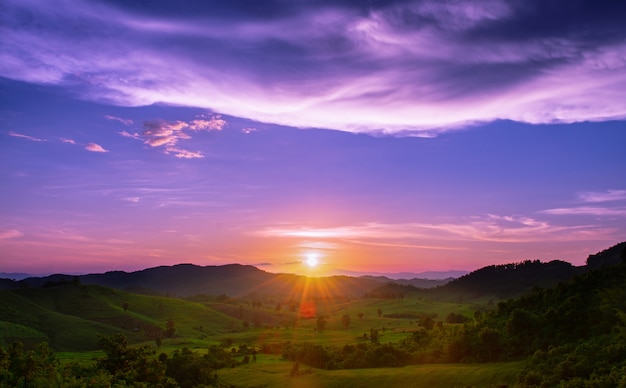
pixel 407 276
pixel 184 280
pixel 608 257
pixel 415 282
pixel 70 316
pixel 14 275
pixel 509 280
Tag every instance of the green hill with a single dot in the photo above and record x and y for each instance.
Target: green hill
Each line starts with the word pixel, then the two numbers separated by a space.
pixel 71 316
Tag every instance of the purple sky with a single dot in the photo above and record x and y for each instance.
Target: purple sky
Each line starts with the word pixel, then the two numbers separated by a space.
pixel 379 136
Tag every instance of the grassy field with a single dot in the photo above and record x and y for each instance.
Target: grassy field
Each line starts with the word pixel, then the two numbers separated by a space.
pixel 70 317
pixel 270 371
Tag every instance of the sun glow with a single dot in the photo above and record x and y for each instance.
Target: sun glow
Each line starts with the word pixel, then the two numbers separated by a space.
pixel 312 260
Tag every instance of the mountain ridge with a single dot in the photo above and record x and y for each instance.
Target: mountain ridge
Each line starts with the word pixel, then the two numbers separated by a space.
pixel 185 280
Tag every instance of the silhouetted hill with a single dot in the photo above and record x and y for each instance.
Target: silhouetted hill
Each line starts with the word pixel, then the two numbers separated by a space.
pixel 415 282
pixel 70 316
pixel 509 280
pixel 8 284
pixel 14 275
pixel 611 256
pixel 185 280
pixel 513 280
pixel 391 290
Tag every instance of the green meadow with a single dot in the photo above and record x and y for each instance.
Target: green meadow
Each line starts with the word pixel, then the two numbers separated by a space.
pixel 571 335
pixel 271 371
pixel 72 317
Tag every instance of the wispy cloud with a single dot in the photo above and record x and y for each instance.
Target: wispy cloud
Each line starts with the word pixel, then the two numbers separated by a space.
pixel 489 228
pixel 324 245
pixel 612 200
pixel 26 137
pixel 93 147
pixel 587 211
pixel 606 196
pixel 184 154
pixel 404 67
pixel 135 135
pixel 121 120
pixel 10 233
pixel 167 134
pixel 68 141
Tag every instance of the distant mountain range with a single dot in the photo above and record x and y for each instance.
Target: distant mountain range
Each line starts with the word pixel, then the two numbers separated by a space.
pixel 185 280
pixel 427 275
pixel 15 275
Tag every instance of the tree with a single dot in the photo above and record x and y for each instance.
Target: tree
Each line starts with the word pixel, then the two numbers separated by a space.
pixel 345 321
pixel 278 307
pixel 295 369
pixel 320 323
pixel 131 365
pixel 380 312
pixel 125 306
pixel 427 322
pixel 360 315
pixel 170 329
pixel 374 336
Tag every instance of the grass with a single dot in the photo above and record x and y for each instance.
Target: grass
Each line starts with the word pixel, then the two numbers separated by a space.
pixel 271 371
pixel 11 332
pixel 70 317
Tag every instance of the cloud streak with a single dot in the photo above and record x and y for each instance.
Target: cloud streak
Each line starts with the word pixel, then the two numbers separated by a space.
pixel 126 122
pixel 93 147
pixel 491 228
pixel 609 195
pixel 402 67
pixel 166 134
pixel 26 137
pixel 587 211
pixel 10 234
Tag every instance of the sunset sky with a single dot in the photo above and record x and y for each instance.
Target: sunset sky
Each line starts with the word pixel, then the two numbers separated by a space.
pixel 375 136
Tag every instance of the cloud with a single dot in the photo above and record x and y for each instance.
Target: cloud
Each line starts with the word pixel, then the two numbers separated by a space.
pixel 399 67
pixel 121 120
pixel 213 123
pixel 93 147
pixel 607 196
pixel 21 136
pixel 160 133
pixel 132 199
pixel 10 233
pixel 586 211
pixel 492 228
pixel 135 135
pixel 319 245
pixel 594 197
pixel 68 141
pixel 184 154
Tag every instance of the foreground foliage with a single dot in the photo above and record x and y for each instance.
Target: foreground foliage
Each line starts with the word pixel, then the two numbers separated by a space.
pixel 122 366
pixel 572 335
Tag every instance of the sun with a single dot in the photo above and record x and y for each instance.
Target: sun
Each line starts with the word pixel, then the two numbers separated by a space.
pixel 311 260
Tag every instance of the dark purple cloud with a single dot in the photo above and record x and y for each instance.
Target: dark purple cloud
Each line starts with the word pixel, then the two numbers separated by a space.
pixel 407 67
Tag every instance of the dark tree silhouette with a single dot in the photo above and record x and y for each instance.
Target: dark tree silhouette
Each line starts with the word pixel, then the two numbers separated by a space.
pixel 345 321
pixel 320 324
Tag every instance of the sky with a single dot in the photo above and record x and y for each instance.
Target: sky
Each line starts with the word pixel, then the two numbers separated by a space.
pixel 371 136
